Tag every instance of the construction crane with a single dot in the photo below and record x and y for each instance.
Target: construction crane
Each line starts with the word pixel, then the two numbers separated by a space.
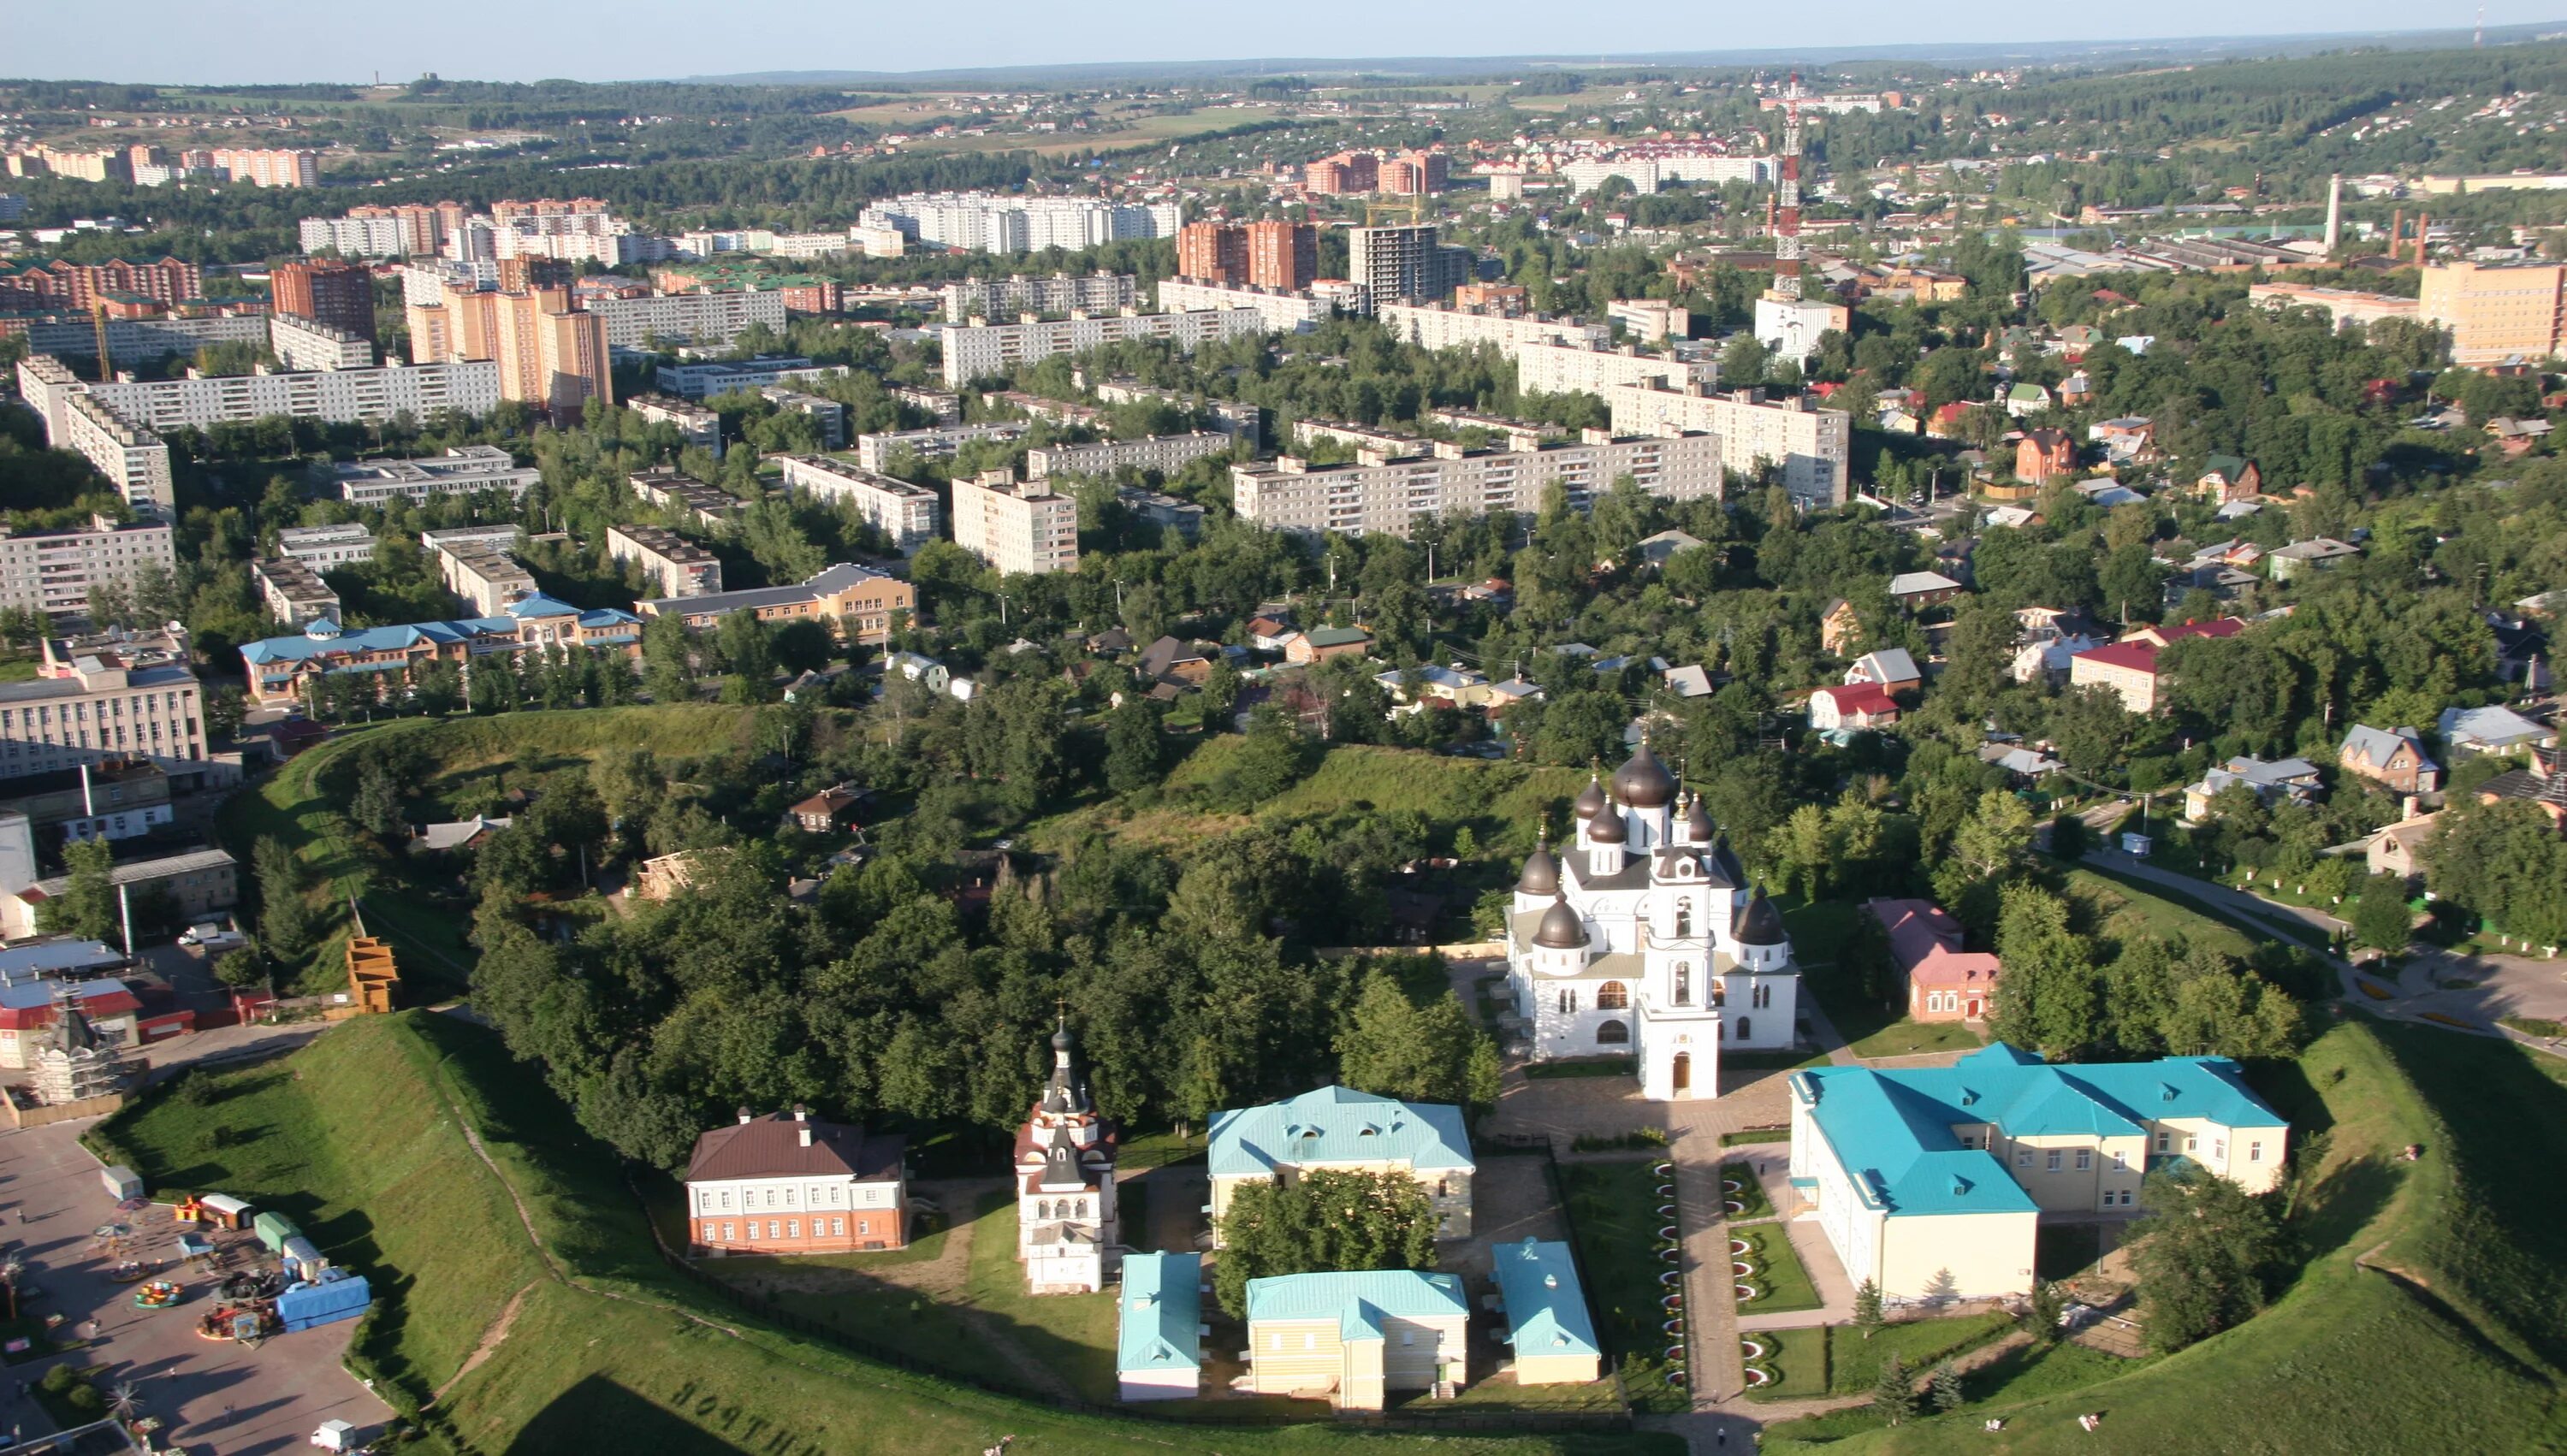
pixel 1786 196
pixel 1413 209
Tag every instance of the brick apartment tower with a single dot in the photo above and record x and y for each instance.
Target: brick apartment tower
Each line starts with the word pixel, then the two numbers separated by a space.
pixel 1211 252
pixel 341 295
pixel 1282 254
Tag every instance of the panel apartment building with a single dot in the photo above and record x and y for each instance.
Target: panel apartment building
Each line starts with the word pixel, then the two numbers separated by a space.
pixel 875 452
pixel 1810 449
pixel 675 566
pixel 984 222
pixel 1015 527
pixel 301 343
pixel 1283 312
pixel 339 395
pixel 1444 326
pixel 688 318
pixel 988 298
pixel 1576 368
pixel 101 698
pixel 293 593
pixel 1165 454
pixel 909 515
pixel 55 571
pixel 133 457
pixel 2497 311
pixel 979 351
pixel 462 470
pixel 1379 493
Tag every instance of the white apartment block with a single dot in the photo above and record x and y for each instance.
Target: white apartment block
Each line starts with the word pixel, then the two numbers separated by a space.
pixel 108 702
pixel 687 318
pixel 909 515
pixel 827 414
pixel 325 548
pixel 357 237
pixel 979 351
pixel 697 426
pixel 1810 447
pixel 55 571
pixel 875 452
pixel 340 396
pixel 1442 326
pixel 986 298
pixel 301 343
pixel 675 566
pixel 1379 493
pixel 1650 320
pixel 984 222
pixel 134 339
pixel 1284 311
pixel 696 381
pixel 134 458
pixel 463 471
pixel 293 593
pixel 1016 528
pixel 1648 174
pixel 475 564
pixel 1165 454
pixel 1562 368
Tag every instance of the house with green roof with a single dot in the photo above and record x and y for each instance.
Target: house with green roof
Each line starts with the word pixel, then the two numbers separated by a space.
pixel 1158 1343
pixel 1352 1337
pixel 1341 1129
pixel 1931 1181
pixel 1548 1324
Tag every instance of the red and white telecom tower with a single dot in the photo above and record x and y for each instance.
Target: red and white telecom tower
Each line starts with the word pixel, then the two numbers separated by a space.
pixel 1786 196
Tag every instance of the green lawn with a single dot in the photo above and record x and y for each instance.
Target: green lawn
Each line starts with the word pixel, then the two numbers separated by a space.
pixel 2466 1358
pixel 1614 1209
pixel 1751 1192
pixel 1853 1362
pixel 1072 1335
pixel 1747 1136
pixel 2121 907
pixel 1904 1037
pixel 360 1137
pixel 1799 1360
pixel 1786 1284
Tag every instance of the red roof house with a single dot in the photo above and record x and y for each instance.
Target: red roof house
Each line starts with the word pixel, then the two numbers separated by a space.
pixel 1944 982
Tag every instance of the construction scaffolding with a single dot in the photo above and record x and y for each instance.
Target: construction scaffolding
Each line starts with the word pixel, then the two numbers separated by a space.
pixel 373 980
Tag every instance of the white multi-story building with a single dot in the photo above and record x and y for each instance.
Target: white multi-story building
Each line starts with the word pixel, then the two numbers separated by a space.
pixel 1791 327
pixel 1810 449
pixel 696 381
pixel 293 593
pixel 687 318
pixel 984 222
pixel 697 426
pixel 1165 454
pixel 114 697
pixel 340 396
pixel 675 566
pixel 1442 326
pixel 475 564
pixel 1284 311
pixel 986 298
pixel 907 513
pixel 1379 493
pixel 1015 527
pixel 324 547
pixel 134 458
pixel 357 237
pixel 979 351
pixel 875 452
pixel 1641 939
pixel 129 340
pixel 1563 368
pixel 301 343
pixel 1650 320
pixel 55 571
pixel 462 470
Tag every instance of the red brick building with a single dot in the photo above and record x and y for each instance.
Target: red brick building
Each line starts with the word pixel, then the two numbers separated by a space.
pixel 791 1182
pixel 1211 252
pixel 58 283
pixel 1283 255
pixel 341 295
pixel 1944 982
pixel 2045 454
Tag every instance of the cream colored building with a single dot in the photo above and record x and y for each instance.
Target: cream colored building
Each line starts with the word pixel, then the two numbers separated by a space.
pixel 1810 450
pixel 1353 1338
pixel 1446 326
pixel 1341 1129
pixel 907 513
pixel 1553 368
pixel 1015 527
pixel 2496 311
pixel 1931 1181
pixel 1381 493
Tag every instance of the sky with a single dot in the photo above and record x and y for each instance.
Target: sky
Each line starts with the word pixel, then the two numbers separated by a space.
pixel 234 42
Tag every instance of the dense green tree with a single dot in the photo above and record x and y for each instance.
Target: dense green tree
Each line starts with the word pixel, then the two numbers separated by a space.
pixel 2205 1255
pixel 1325 1219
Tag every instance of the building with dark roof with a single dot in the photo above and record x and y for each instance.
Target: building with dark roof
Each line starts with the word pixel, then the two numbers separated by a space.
pixel 791 1182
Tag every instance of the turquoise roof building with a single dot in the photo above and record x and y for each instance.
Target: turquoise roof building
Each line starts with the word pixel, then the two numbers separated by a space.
pixel 1547 1318
pixel 1342 1128
pixel 1357 1335
pixel 1158 1347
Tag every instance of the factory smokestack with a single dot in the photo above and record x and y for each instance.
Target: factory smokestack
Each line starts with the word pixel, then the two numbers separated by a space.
pixel 2334 213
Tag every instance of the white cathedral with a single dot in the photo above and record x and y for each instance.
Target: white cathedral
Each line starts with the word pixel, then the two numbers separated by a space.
pixel 1643 939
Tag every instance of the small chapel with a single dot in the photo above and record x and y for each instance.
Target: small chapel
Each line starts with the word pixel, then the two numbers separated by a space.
pixel 1642 938
pixel 1065 1219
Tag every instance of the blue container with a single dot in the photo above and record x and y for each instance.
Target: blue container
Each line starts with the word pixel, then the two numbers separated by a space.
pixel 327 1302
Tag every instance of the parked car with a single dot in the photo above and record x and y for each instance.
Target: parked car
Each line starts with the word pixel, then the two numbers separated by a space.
pixel 211 937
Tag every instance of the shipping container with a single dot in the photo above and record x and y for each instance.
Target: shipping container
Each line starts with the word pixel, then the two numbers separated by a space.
pixel 302 1260
pixel 274 1229
pixel 335 1297
pixel 122 1182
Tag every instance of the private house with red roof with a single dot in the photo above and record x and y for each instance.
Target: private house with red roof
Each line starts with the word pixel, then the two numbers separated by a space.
pixel 1944 982
pixel 2129 667
pixel 2043 456
pixel 791 1182
pixel 1854 705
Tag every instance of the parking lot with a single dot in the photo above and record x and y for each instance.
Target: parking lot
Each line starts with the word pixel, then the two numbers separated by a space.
pixel 212 1395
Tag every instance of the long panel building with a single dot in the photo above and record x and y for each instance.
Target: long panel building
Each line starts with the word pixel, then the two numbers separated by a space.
pixel 1165 454
pixel 985 222
pixel 340 396
pixel 907 513
pixel 1810 449
pixel 978 351
pixel 986 298
pixel 462 470
pixel 688 318
pixel 55 571
pixel 1378 494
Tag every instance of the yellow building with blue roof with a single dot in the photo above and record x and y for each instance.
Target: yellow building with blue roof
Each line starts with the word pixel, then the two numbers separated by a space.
pixel 1932 1182
pixel 1548 1323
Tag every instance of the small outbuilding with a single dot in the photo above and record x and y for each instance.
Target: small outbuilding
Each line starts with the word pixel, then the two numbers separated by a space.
pixel 122 1182
pixel 1546 1321
pixel 1158 1347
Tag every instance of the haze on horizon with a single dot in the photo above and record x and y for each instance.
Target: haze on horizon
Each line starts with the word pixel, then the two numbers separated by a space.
pixel 192 43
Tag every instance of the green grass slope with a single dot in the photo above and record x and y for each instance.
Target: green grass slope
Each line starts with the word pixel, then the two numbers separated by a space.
pixel 368 1136
pixel 2453 1336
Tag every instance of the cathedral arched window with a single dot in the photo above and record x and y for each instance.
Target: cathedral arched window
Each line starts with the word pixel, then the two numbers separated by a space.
pixel 1612 996
pixel 1684 917
pixel 1685 983
pixel 1743 1033
pixel 1567 1000
pixel 1042 1208
pixel 1613 1034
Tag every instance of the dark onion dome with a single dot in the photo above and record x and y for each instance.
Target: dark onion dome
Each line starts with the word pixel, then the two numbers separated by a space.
pixel 1541 873
pixel 1560 929
pixel 1761 924
pixel 1591 800
pixel 1697 824
pixel 1060 1038
pixel 1644 783
pixel 1607 827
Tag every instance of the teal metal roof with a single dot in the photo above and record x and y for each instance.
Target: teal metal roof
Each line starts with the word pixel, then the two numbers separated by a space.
pixel 1339 1125
pixel 1545 1308
pixel 1892 1129
pixel 1358 1299
pixel 1162 1314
